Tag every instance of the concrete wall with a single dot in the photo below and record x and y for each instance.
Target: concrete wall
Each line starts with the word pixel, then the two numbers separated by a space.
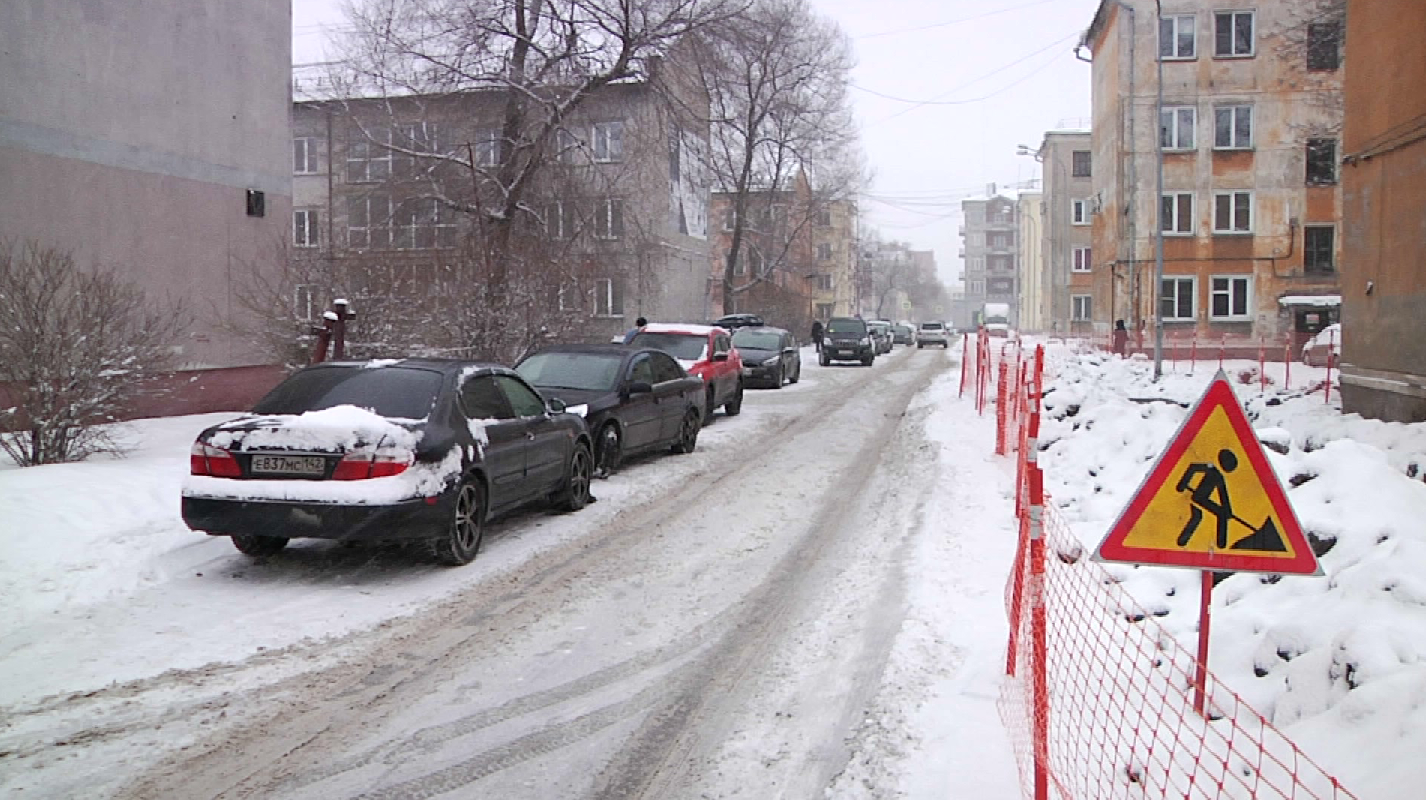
pixel 1032 265
pixel 129 134
pixel 1384 211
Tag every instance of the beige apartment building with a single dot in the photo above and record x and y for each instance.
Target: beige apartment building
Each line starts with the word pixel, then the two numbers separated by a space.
pixel 1249 126
pixel 1032 267
pixel 1065 290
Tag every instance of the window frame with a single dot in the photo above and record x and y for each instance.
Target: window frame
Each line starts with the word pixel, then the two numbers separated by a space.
pixel 608 295
pixel 310 226
pixel 489 147
pixel 1175 130
pixel 1175 21
pixel 1233 109
pixel 609 219
pixel 1079 211
pixel 1315 267
pixel 825 252
pixel 1081 259
pixel 1075 163
pixel 1317 48
pixel 1233 195
pixel 1229 293
pixel 1178 297
pixel 1316 144
pixel 369 228
pixel 1081 315
pixel 1234 14
pixel 373 151
pixel 606 141
pixel 1178 216
pixel 311 163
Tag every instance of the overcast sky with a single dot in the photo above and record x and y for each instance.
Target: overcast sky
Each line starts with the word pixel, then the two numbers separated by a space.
pixel 999 72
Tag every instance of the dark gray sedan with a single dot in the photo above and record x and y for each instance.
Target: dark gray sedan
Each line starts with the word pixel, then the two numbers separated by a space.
pixel 770 356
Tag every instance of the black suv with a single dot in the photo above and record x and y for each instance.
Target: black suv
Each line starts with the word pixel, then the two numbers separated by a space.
pixel 847 339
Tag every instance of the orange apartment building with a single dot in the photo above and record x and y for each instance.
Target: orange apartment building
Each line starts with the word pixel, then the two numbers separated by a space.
pixel 1250 129
pixel 1384 205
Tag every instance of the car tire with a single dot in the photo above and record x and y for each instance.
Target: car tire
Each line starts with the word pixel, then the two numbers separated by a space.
pixel 609 448
pixel 459 543
pixel 796 375
pixel 258 546
pixel 687 432
pixel 575 494
pixel 824 360
pixel 919 345
pixel 866 360
pixel 777 379
pixel 733 407
pixel 709 407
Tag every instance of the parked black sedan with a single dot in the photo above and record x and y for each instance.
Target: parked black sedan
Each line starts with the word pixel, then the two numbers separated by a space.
pixel 406 449
pixel 633 399
pixel 770 356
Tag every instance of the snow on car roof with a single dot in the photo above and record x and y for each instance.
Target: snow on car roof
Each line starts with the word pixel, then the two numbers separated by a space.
pixel 679 327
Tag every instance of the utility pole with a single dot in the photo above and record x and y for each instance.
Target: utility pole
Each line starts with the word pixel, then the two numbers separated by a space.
pixel 1158 287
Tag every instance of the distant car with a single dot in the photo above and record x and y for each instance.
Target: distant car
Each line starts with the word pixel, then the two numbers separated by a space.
pixel 903 334
pixel 932 333
pixel 734 321
pixel 412 449
pixel 770 356
pixel 880 333
pixel 633 401
pixel 847 339
pixel 1325 348
pixel 707 352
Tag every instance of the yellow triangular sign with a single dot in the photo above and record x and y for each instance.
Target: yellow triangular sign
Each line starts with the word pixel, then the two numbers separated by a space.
pixel 1212 501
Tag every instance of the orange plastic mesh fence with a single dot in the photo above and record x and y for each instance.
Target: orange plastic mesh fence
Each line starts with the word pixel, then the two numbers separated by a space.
pixel 1115 717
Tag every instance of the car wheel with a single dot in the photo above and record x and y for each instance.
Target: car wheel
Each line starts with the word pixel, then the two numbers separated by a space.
pixel 250 545
pixel 824 360
pixel 866 360
pixel 732 407
pixel 796 375
pixel 575 494
pixel 688 432
pixel 778 378
pixel 919 345
pixel 708 407
pixel 609 450
pixel 461 540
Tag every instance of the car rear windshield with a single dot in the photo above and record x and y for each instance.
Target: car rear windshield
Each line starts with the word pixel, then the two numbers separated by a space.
pixel 846 326
pixel 757 340
pixel 592 372
pixel 930 326
pixel 686 346
pixel 395 392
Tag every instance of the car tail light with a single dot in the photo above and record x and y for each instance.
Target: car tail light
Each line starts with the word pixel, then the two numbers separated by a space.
pixel 378 464
pixel 205 459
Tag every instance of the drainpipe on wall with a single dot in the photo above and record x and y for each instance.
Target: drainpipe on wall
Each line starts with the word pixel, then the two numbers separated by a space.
pixel 1159 205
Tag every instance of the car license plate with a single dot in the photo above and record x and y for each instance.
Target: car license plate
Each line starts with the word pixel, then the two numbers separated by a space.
pixel 289 465
pixel 747 370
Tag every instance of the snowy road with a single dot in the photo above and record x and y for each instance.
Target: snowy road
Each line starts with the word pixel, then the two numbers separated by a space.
pixel 717 617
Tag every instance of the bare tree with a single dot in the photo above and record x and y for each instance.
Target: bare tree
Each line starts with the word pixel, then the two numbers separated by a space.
pixel 776 79
pixel 76 346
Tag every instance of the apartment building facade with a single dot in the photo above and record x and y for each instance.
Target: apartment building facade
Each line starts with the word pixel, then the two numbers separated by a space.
pixel 1067 293
pixel 1032 267
pixel 1384 202
pixel 990 236
pixel 1249 129
pixel 382 197
pixel 152 139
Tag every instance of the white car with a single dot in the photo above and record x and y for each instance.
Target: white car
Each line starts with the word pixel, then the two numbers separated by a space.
pixel 1315 352
pixel 932 333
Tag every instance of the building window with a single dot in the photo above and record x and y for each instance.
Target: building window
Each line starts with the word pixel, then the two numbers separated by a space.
pixel 1080 305
pixel 1000 241
pixel 608 298
pixel 826 310
pixel 1177 38
pixel 422 224
pixel 1324 46
pixel 824 282
pixel 369 221
pixel 369 157
pixel 560 220
pixel 1079 211
pixel 1176 213
pixel 1230 298
pixel 824 217
pixel 1233 127
pixel 609 219
pixel 824 252
pixel 1319 249
pixel 302 301
pixel 608 141
pixel 753 257
pixel 417 137
pixel 1232 212
pixel 1233 34
pixel 1082 260
pixel 304 228
pixel 1079 164
pixel 1176 296
pixel 1321 162
pixel 1176 126
pixel 566 146
pixel 304 155
pixel 487 147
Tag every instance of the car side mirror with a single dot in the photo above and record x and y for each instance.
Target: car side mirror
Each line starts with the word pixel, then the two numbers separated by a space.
pixel 555 405
pixel 723 356
pixel 640 387
pixel 789 349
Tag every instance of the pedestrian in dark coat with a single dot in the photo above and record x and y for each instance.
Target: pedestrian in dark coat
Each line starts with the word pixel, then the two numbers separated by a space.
pixel 817 334
pixel 1120 341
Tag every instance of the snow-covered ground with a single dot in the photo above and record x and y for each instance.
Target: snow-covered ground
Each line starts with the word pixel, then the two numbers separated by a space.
pixel 104 587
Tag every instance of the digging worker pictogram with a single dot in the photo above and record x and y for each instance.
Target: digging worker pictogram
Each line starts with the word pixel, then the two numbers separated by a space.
pixel 1211 494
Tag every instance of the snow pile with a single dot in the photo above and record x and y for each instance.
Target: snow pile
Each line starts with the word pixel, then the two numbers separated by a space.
pixel 330 430
pixel 1337 661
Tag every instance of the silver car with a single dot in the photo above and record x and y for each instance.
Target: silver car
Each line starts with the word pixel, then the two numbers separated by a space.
pixel 932 333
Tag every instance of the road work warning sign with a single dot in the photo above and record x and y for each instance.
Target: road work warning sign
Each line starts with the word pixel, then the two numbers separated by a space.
pixel 1212 501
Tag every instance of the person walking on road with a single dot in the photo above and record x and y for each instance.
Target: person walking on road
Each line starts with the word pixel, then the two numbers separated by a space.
pixel 817 334
pixel 1120 342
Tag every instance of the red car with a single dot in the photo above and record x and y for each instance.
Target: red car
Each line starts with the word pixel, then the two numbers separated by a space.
pixel 706 352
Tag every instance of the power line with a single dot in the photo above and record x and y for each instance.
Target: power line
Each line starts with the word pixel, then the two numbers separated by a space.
pixel 936 101
pixel 953 21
